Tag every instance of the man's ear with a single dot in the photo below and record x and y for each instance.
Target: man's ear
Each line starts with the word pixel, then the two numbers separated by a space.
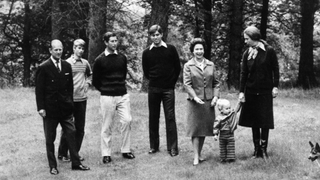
pixel 311 144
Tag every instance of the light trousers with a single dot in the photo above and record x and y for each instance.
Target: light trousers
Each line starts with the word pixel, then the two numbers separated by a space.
pixel 110 107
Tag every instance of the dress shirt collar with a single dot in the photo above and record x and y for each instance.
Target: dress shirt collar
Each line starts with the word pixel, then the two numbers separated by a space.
pixel 74 60
pixel 107 53
pixel 55 61
pixel 161 44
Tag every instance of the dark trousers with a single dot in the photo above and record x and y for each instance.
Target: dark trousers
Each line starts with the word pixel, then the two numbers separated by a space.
pixel 79 114
pixel 50 127
pixel 167 97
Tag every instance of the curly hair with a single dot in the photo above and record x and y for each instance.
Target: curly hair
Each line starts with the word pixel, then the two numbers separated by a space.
pixel 196 41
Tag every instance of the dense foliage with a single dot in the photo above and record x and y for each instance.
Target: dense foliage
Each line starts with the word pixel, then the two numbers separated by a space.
pixel 130 19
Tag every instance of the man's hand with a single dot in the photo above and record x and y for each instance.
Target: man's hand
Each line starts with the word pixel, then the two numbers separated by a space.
pixel 241 97
pixel 42 113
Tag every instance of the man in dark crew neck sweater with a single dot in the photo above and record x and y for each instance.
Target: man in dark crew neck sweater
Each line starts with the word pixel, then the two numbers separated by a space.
pixel 109 77
pixel 161 66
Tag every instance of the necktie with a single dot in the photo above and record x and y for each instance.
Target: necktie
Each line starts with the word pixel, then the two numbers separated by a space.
pixel 58 68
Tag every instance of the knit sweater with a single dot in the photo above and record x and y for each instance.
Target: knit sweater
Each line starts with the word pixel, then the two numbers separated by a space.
pixel 161 66
pixel 81 72
pixel 109 74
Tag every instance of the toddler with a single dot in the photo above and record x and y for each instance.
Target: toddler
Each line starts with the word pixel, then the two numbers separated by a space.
pixel 224 126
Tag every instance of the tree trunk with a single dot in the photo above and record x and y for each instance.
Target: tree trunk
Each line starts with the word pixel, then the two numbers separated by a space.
pixel 197 28
pixel 264 19
pixel 207 26
pixel 306 77
pixel 26 46
pixel 56 19
pixel 160 13
pixel 97 27
pixel 236 44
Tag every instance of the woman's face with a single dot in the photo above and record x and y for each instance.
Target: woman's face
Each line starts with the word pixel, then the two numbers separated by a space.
pixel 198 51
pixel 248 40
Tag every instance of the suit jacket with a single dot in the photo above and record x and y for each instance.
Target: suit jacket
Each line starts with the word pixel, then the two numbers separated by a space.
pixel 54 90
pixel 198 83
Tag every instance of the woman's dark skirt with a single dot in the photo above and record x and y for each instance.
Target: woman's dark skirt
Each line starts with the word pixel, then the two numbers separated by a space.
pixel 257 111
pixel 200 118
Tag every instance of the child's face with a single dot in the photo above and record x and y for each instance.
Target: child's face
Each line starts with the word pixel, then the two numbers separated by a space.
pixel 78 51
pixel 226 109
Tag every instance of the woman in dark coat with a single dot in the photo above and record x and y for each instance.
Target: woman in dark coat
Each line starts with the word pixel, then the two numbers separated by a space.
pixel 258 86
pixel 202 88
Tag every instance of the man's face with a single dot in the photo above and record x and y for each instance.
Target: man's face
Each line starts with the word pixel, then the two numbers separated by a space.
pixel 156 38
pixel 56 50
pixel 78 51
pixel 112 44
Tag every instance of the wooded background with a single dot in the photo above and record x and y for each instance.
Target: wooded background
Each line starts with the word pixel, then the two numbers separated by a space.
pixel 292 27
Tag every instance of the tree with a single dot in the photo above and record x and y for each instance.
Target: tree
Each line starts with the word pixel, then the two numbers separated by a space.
pixel 264 19
pixel 236 44
pixel 306 77
pixel 97 26
pixel 207 17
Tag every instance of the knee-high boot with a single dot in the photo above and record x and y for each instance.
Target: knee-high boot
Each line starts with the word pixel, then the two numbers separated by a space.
pixel 256 143
pixel 264 143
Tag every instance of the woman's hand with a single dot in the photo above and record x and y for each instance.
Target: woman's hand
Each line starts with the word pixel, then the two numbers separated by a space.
pixel 214 101
pixel 198 100
pixel 275 92
pixel 241 97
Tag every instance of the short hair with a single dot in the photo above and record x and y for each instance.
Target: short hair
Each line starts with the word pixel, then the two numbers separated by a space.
pixel 107 36
pixel 79 42
pixel 155 28
pixel 196 41
pixel 253 33
pixel 222 103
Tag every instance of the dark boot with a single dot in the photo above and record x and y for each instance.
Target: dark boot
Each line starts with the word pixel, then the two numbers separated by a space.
pixel 264 144
pixel 256 143
pixel 257 149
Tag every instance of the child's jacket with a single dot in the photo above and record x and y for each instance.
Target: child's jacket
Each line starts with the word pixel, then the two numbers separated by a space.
pixel 227 122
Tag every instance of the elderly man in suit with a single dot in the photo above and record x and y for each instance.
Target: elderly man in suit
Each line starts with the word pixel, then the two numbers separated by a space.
pixel 54 96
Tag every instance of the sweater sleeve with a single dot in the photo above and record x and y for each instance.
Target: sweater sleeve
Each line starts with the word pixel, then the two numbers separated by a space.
pixel 145 66
pixel 177 66
pixel 275 68
pixel 244 72
pixel 96 81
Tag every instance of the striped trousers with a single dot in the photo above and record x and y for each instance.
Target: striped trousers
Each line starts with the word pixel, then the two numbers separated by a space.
pixel 227 146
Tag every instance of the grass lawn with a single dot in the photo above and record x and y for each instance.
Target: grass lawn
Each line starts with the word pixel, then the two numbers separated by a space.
pixel 23 154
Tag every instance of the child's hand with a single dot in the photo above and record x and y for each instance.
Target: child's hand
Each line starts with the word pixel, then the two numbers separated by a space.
pixel 215 137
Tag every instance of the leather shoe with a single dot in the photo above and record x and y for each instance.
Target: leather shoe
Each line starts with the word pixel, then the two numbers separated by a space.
pixel 128 155
pixel 173 152
pixel 54 171
pixel 152 151
pixel 80 167
pixel 106 159
pixel 64 158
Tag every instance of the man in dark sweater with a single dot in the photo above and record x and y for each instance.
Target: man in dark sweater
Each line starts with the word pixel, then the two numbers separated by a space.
pixel 161 66
pixel 109 75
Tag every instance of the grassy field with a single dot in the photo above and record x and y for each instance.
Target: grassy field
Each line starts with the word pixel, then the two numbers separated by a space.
pixel 297 120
